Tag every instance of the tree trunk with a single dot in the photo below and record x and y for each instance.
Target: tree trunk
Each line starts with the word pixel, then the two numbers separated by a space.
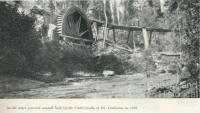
pixel 105 29
pixel 115 12
pixel 118 15
pixel 134 46
pixel 162 2
pixel 112 12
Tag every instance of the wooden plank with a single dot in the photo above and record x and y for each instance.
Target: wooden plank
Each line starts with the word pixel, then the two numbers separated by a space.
pixel 59 24
pixel 135 28
pixel 60 15
pixel 74 38
pixel 59 29
pixel 81 34
pixel 59 21
pixel 59 32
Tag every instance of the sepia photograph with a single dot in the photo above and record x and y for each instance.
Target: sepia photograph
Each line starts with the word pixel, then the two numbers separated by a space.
pixel 99 49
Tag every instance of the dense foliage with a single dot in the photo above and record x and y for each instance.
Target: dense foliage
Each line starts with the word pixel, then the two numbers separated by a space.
pixel 19 42
pixel 189 27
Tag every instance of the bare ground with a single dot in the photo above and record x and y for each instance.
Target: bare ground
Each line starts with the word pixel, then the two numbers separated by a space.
pixel 118 86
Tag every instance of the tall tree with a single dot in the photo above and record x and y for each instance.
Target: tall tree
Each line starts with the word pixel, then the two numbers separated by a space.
pixel 105 29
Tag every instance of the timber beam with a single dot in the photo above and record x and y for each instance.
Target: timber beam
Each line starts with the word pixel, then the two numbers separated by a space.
pixel 132 28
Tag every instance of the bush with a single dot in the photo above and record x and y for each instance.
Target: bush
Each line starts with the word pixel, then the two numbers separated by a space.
pixel 109 62
pixel 14 63
pixel 133 65
pixel 19 42
pixel 76 59
pixel 49 56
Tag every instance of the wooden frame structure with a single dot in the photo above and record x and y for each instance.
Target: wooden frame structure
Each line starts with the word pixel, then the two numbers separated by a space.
pixel 146 31
pixel 74 25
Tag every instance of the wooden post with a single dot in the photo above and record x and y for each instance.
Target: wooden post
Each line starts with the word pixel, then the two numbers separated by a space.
pixel 108 32
pixel 150 37
pixel 114 38
pixel 146 38
pixel 95 31
pixel 133 41
pixel 129 32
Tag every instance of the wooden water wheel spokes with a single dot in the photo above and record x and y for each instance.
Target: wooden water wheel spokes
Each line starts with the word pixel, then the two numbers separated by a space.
pixel 78 25
pixel 75 26
pixel 82 33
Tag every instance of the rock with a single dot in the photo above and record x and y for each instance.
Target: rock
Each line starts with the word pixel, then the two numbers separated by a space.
pixel 107 73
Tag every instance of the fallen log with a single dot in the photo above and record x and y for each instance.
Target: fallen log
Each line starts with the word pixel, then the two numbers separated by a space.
pixel 170 54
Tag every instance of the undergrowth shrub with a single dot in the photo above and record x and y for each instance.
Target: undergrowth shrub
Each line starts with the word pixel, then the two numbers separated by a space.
pixel 19 42
pixel 76 59
pixel 109 62
pixel 133 65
